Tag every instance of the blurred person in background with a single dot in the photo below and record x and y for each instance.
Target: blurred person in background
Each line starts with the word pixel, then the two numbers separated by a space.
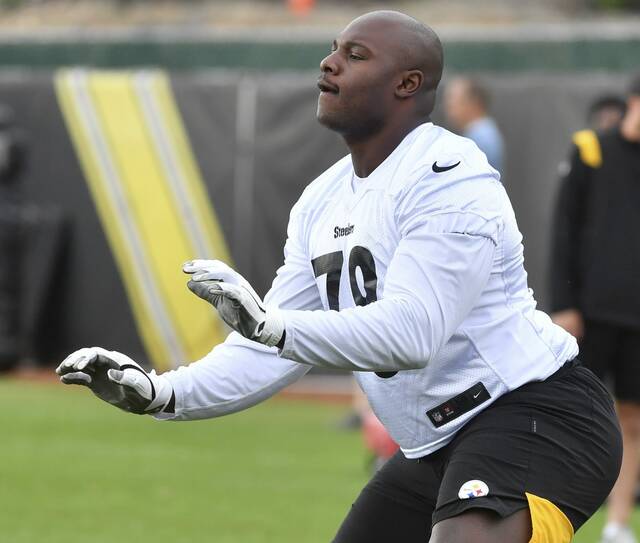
pixel 467 109
pixel 595 279
pixel 606 112
pixel 12 153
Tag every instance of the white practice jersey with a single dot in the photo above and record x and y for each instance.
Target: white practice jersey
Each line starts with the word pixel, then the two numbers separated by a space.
pixel 414 279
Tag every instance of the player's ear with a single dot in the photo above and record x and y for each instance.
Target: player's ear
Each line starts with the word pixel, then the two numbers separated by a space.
pixel 410 83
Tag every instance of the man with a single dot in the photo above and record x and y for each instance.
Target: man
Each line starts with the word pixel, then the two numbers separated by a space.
pixel 403 263
pixel 466 105
pixel 595 281
pixel 606 112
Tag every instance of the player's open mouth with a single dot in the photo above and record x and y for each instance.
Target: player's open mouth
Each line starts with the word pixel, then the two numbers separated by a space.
pixel 324 86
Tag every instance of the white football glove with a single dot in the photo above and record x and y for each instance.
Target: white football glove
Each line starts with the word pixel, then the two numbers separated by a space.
pixel 116 379
pixel 236 301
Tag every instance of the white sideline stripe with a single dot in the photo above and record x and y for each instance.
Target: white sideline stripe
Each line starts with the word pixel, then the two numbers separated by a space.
pixel 148 288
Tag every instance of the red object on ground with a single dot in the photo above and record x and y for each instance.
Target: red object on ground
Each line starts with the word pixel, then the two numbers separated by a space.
pixel 301 7
pixel 376 437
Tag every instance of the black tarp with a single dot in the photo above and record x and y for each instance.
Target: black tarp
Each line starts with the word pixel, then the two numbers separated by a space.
pixel 253 178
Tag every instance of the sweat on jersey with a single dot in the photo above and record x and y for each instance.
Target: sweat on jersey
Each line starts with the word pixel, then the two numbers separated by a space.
pixel 414 279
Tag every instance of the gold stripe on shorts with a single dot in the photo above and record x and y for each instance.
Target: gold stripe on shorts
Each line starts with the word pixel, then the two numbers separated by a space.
pixel 549 523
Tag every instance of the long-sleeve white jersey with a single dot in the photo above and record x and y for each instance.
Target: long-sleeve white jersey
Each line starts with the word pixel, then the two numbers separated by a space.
pixel 414 279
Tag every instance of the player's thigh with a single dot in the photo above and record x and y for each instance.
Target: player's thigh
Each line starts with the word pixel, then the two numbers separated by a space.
pixel 626 372
pixel 376 518
pixel 484 526
pixel 552 449
pixel 396 505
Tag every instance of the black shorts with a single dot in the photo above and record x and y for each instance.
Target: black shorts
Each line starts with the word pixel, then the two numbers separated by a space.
pixel 552 446
pixel 612 352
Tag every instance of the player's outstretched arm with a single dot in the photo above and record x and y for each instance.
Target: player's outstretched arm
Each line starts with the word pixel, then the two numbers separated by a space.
pixel 425 302
pixel 116 379
pixel 234 376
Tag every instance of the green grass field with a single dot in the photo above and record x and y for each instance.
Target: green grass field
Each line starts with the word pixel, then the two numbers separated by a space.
pixel 73 469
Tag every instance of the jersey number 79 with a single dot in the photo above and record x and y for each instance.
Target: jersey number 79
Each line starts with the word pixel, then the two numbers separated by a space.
pixel 330 264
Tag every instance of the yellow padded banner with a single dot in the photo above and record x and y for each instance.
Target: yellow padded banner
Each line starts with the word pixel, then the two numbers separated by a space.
pixel 154 208
pixel 550 524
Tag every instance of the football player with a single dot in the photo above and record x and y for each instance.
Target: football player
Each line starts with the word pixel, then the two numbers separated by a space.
pixel 404 264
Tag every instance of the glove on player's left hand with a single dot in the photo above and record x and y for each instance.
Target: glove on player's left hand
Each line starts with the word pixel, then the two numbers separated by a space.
pixel 116 379
pixel 236 301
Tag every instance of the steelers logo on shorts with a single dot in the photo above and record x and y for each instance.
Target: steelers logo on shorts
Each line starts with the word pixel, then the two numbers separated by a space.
pixel 473 489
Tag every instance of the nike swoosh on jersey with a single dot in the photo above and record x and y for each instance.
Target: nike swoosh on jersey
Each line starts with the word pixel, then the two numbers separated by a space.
pixel 440 169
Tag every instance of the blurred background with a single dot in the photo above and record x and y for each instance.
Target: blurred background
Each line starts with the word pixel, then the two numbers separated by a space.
pixel 135 135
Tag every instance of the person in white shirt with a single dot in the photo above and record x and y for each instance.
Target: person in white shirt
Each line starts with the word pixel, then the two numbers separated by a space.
pixel 467 109
pixel 404 264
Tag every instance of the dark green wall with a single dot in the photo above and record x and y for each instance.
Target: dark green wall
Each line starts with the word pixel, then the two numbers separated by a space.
pixel 549 56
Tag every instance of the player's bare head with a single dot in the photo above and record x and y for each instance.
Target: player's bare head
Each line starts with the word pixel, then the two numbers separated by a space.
pixel 412 45
pixel 382 64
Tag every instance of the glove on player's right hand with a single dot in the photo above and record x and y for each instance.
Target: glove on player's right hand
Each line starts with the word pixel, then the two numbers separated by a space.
pixel 116 379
